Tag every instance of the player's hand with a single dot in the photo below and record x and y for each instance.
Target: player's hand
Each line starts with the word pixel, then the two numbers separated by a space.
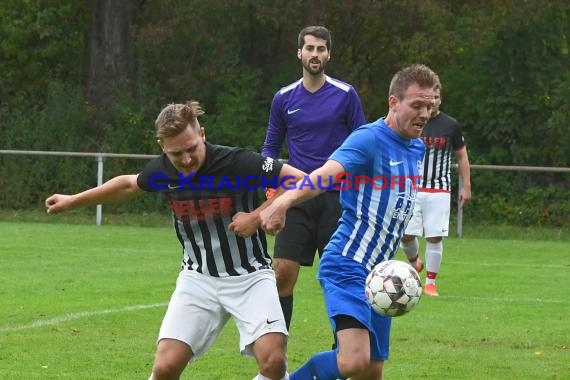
pixel 58 203
pixel 270 193
pixel 464 197
pixel 273 218
pixel 244 224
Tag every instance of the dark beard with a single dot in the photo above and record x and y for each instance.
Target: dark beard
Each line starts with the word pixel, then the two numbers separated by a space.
pixel 319 71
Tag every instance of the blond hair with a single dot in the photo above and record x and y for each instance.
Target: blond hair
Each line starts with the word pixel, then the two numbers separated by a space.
pixel 175 118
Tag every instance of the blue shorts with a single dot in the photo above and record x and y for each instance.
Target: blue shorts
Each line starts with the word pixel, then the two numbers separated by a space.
pixel 342 280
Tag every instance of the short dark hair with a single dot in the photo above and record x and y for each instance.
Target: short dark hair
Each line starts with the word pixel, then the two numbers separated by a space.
pixel 315 31
pixel 417 73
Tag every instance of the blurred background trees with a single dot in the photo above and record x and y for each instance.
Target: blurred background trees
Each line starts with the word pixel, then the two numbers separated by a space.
pixel 92 76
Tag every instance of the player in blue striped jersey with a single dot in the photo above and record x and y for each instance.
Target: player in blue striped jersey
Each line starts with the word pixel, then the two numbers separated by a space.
pixel 381 164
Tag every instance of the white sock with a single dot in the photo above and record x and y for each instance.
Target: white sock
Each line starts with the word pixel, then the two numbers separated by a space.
pixel 434 254
pixel 411 250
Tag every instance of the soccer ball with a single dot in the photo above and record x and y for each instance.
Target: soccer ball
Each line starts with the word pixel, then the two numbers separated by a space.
pixel 393 288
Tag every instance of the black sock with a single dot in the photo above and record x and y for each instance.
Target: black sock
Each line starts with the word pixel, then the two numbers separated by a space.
pixel 287 307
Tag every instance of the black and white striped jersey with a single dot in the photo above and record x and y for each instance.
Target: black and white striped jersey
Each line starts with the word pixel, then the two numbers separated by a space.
pixel 442 135
pixel 203 206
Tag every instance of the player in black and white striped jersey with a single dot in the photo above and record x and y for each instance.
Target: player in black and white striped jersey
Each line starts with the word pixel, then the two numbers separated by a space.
pixel 442 136
pixel 203 206
pixel 226 270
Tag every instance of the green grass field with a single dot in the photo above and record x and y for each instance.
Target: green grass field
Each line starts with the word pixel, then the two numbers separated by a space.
pixel 86 302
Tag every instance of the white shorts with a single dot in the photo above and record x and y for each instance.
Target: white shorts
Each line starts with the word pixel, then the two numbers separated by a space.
pixel 431 215
pixel 201 305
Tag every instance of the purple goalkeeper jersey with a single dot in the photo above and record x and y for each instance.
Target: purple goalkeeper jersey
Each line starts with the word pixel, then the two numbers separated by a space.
pixel 315 124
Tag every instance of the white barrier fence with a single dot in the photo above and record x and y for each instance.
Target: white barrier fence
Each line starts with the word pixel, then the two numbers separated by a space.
pixel 544 169
pixel 100 157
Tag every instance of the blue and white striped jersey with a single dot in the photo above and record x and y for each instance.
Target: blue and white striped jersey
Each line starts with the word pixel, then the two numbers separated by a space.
pixel 382 176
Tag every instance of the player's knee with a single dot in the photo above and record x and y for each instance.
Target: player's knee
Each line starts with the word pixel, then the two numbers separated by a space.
pixel 435 239
pixel 284 284
pixel 273 364
pixel 171 358
pixel 353 365
pixel 166 370
pixel 286 276
pixel 373 372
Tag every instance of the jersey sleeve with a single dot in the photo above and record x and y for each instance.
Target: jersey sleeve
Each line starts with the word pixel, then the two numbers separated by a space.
pixel 355 111
pixel 276 129
pixel 457 141
pixel 357 152
pixel 261 170
pixel 150 170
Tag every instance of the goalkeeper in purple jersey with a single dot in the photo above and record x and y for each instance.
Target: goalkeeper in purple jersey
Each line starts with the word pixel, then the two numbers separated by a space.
pixel 373 220
pixel 313 116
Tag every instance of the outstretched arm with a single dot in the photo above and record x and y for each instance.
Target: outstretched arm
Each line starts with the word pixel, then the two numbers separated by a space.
pixel 273 217
pixel 116 189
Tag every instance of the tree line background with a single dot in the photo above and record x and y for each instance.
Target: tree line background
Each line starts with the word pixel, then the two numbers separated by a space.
pixel 92 76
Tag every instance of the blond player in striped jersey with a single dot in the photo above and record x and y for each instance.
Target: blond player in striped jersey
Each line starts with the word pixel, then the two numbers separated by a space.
pixel 226 270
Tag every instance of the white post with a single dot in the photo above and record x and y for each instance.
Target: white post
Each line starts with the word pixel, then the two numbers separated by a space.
pixel 98 218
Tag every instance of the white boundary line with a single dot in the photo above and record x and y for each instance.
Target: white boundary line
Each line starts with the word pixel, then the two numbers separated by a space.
pixel 504 299
pixel 525 265
pixel 87 314
pixel 80 315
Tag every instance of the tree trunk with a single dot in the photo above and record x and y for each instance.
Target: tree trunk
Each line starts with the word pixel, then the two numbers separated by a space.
pixel 111 65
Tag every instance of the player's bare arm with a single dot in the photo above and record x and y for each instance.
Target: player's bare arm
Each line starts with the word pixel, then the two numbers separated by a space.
pixel 273 216
pixel 246 224
pixel 465 174
pixel 117 189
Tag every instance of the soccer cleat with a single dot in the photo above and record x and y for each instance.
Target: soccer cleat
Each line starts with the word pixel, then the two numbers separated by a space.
pixel 419 265
pixel 430 290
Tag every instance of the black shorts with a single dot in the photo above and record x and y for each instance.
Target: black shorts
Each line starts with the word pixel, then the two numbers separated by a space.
pixel 308 228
